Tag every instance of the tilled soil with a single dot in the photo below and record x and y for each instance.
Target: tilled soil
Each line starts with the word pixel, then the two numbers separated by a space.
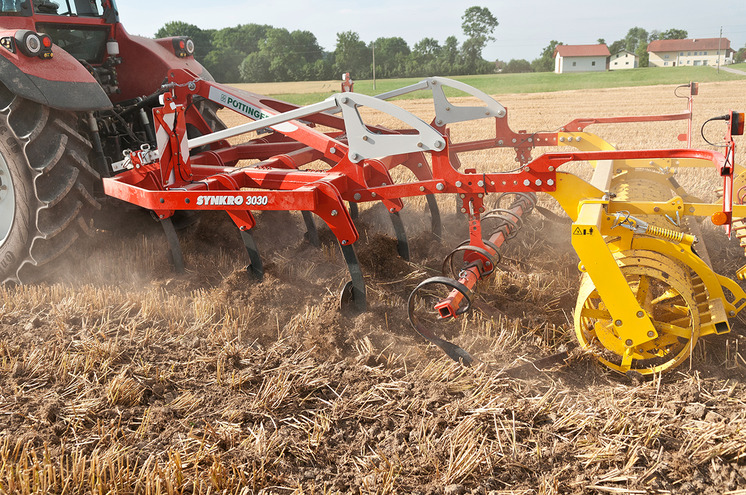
pixel 124 377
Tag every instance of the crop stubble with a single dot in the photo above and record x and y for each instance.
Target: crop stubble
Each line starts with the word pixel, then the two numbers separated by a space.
pixel 126 378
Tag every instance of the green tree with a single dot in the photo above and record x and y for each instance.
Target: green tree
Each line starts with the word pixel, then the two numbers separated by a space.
pixel 448 60
pixel 517 66
pixel 352 55
pixel 740 55
pixel 478 24
pixel 545 63
pixel 223 64
pixel 674 34
pixel 202 38
pixel 256 68
pixel 616 47
pixel 391 56
pixel 423 60
pixel 244 38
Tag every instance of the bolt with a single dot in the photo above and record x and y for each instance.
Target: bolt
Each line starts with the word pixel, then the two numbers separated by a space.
pixel 357 196
pixel 480 183
pixel 419 165
pixel 333 150
pixel 530 140
pixel 651 334
pixel 562 140
pixel 481 209
pixel 652 162
pixel 732 313
pixel 629 343
pixel 162 200
pixel 526 182
pixel 354 156
pixel 422 188
pixel 365 138
pixel 480 195
pixel 439 122
pixel 335 213
pixel 161 216
pixel 577 139
pixel 550 182
pixel 618 323
pixel 656 209
pixel 420 145
pixel 373 195
pixel 448 109
pixel 691 210
pixel 440 186
pixel 191 86
pixel 344 242
pixel 438 144
pixel 486 113
pixel 187 201
pixel 462 196
pixel 392 210
pixel 640 314
pixel 500 142
pixel 515 140
pixel 551 168
pixel 345 99
pixel 459 183
pixel 463 210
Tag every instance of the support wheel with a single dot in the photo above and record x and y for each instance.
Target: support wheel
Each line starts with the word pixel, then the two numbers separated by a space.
pixel 664 290
pixel 45 187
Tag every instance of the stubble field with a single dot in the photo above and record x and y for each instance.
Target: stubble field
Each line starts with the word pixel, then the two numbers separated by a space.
pixel 122 377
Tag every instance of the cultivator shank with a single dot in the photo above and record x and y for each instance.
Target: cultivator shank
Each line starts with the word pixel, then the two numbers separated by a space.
pixel 645 296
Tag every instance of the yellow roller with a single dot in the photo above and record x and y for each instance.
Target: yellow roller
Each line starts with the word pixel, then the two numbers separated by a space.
pixel 663 288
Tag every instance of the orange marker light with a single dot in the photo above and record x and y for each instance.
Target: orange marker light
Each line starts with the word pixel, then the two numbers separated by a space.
pixel 719 218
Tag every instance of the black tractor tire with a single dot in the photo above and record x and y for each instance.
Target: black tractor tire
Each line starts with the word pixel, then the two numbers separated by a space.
pixel 46 186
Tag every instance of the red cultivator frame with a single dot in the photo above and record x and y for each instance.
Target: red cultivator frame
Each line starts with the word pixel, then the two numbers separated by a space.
pixel 201 174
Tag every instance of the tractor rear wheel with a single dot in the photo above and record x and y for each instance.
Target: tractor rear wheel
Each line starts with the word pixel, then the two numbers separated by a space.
pixel 45 186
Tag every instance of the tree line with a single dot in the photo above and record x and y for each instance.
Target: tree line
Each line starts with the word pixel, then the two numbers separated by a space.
pixel 263 53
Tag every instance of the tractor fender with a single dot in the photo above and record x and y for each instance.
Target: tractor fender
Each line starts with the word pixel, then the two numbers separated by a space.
pixel 60 82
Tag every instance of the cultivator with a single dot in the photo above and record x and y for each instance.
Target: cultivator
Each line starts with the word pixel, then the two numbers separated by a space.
pixel 646 295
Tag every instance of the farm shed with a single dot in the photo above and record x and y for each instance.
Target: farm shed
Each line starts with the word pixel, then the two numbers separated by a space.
pixel 581 58
pixel 690 52
pixel 624 60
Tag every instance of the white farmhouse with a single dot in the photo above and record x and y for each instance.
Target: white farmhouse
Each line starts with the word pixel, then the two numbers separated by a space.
pixel 624 60
pixel 580 58
pixel 690 52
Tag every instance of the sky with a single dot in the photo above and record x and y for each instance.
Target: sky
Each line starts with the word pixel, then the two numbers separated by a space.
pixel 525 27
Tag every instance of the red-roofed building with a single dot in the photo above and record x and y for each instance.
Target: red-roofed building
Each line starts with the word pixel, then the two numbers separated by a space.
pixel 690 52
pixel 581 58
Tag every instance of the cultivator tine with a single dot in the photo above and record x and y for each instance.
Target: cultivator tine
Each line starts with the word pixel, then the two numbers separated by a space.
pixel 255 267
pixel 402 244
pixel 353 293
pixel 452 350
pixel 354 210
pixel 436 225
pixel 312 235
pixel 177 258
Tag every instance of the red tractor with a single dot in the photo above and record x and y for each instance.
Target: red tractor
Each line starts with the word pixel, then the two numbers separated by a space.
pixel 76 90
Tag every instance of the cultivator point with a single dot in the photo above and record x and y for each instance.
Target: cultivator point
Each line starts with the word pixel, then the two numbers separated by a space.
pixel 646 295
